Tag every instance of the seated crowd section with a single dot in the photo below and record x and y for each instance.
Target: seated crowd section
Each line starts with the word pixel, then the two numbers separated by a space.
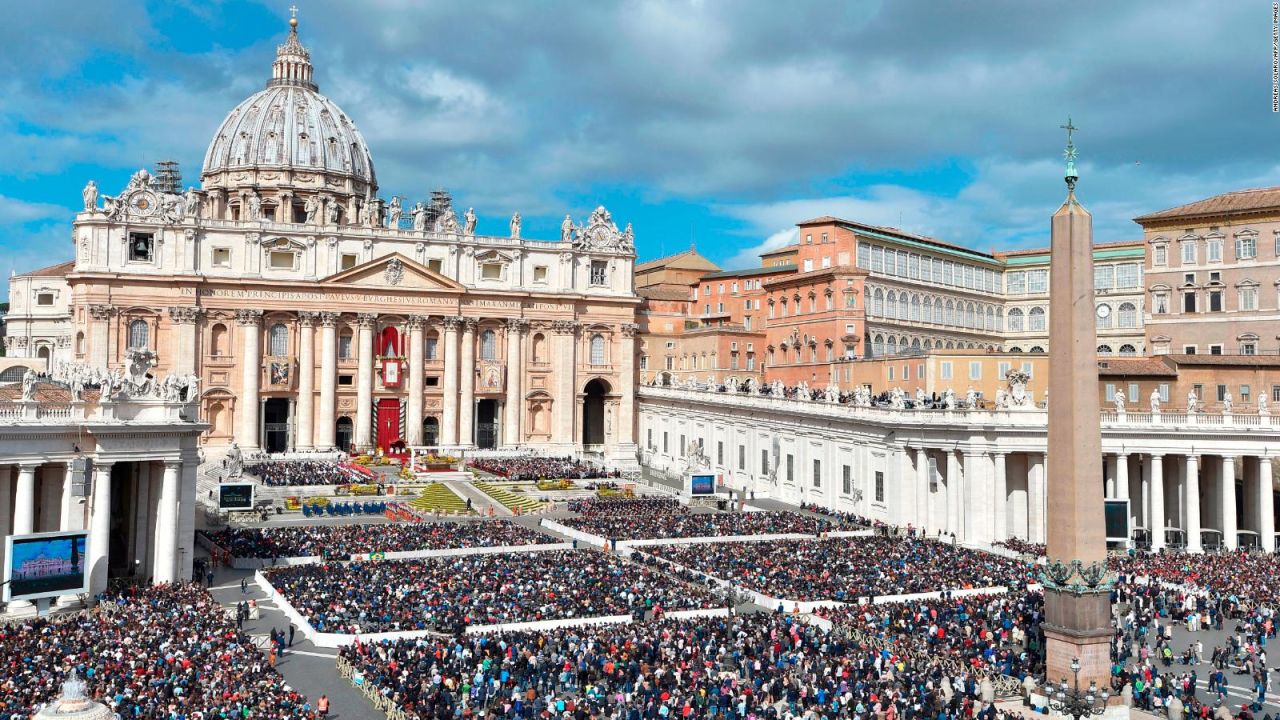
pixel 163 652
pixel 448 594
pixel 284 473
pixel 342 541
pixel 646 518
pixel 844 570
pixel 541 468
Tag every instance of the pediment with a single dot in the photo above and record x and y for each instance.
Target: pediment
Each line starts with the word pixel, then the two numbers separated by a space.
pixel 392 272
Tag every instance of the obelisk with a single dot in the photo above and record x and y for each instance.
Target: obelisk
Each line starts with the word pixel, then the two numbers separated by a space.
pixel 1077 597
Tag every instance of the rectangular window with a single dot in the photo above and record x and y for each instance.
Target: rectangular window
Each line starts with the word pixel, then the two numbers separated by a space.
pixel 879 486
pixel 891 373
pixel 347 261
pixel 1215 301
pixel 1215 251
pixel 1111 391
pixel 1248 298
pixel 1127 275
pixel 1164 391
pixel 817 473
pixel 141 247
pixel 344 347
pixel 719 453
pixel 1215 349
pixel 281 260
pixel 1159 256
pixel 346 380
pixel 826 261
pixel 846 479
pixel 221 257
pixel 742 457
pixel 433 380
pixel 945 370
pixel 808 265
pixel 1017 283
pixel 1188 302
pixel 1245 392
pixel 864 255
pixel 1002 371
pixel 435 265
pixel 44 299
pixel 1275 393
pixel 764 462
pixel 433 348
pixel 1188 349
pixel 644 362
pixel 1189 253
pixel 1038 281
pixel 664 443
pixel 791 468
pixel 1133 392
pixel 1248 348
pixel 540 274
pixel 1103 277
pixel 649 438
pixel 1246 248
pixel 600 272
pixel 975 370
pixel 491 271
pixel 1222 393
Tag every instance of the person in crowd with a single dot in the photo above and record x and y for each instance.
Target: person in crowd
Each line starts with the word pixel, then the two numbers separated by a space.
pixel 340 541
pixel 541 468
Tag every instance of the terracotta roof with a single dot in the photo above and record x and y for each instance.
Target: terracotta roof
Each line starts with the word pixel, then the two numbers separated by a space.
pixel 665 292
pixel 751 272
pixel 1227 360
pixel 782 250
pixel 1239 201
pixel 59 270
pixel 46 392
pixel 1155 366
pixel 1045 250
pixel 687 260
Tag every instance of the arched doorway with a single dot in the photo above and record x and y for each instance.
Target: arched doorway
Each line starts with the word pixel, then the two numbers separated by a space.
pixel 431 431
pixel 487 424
pixel 343 433
pixel 593 412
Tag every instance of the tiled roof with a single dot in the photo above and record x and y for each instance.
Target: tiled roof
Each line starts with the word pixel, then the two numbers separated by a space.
pixel 1239 201
pixel 687 260
pixel 46 392
pixel 785 249
pixel 751 272
pixel 1237 360
pixel 665 292
pixel 1155 366
pixel 59 270
pixel 1045 250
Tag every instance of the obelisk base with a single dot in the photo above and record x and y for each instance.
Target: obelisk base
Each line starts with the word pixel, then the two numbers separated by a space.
pixel 1077 626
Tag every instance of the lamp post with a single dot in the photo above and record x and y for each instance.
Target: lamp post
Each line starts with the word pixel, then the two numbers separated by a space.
pixel 1071 701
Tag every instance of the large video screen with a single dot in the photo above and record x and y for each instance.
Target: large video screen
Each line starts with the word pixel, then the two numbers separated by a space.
pixel 235 496
pixel 704 484
pixel 1116 513
pixel 45 565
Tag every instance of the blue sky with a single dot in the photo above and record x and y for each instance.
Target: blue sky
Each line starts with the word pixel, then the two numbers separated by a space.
pixel 715 122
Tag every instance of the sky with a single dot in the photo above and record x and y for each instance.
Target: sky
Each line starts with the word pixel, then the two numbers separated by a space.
pixel 711 122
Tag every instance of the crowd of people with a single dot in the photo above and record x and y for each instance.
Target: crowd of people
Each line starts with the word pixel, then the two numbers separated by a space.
pixel 840 516
pixel 282 473
pixel 532 469
pixel 761 666
pixel 644 518
pixel 845 570
pixel 448 594
pixel 342 541
pixel 163 652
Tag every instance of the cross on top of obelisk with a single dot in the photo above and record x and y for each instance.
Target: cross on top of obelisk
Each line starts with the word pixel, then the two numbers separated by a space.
pixel 1070 154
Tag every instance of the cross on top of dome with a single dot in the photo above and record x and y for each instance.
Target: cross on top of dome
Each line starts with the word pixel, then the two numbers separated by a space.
pixel 293 61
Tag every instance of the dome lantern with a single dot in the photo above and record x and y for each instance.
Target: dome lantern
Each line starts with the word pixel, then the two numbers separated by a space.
pixel 293 62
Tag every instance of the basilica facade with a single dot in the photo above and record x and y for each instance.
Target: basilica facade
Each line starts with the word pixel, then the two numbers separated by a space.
pixel 317 314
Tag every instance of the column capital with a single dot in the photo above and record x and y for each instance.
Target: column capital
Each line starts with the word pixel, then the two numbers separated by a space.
pixel 630 329
pixel 172 465
pixel 101 312
pixel 517 324
pixel 366 319
pixel 100 465
pixel 249 318
pixel 469 324
pixel 564 327
pixel 450 322
pixel 996 454
pixel 29 466
pixel 416 322
pixel 185 314
pixel 328 319
pixel 307 318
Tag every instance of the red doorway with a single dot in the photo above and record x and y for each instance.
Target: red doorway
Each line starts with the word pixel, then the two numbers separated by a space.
pixel 388 422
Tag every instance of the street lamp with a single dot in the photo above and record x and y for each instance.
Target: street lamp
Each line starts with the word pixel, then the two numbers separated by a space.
pixel 1071 701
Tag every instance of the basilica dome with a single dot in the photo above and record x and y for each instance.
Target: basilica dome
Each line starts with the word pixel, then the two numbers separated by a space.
pixel 289 128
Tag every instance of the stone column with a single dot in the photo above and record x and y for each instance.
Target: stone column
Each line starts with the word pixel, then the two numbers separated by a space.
pixel 922 520
pixel 305 438
pixel 953 493
pixel 1109 473
pixel 1001 497
pixel 251 365
pixel 99 544
pixel 187 514
pixel 100 335
pixel 24 500
pixel 467 376
pixel 1227 501
pixel 512 409
pixel 165 570
pixel 413 416
pixel 6 494
pixel 1035 497
pixel 1156 518
pixel 627 376
pixel 1191 498
pixel 449 342
pixel 364 380
pixel 1122 487
pixel 564 397
pixel 324 433
pixel 1265 503
pixel 184 347
pixel 142 517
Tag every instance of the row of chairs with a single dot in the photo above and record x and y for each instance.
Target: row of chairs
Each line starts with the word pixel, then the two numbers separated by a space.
pixel 344 509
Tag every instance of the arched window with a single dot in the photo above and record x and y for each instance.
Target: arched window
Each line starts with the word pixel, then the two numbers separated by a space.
pixel 344 344
pixel 878 345
pixel 1128 315
pixel 539 348
pixel 1036 349
pixel 1104 349
pixel 1036 319
pixel 893 346
pixel 970 319
pixel 218 340
pixel 488 345
pixel 1015 320
pixel 1128 350
pixel 877 303
pixel 279 340
pixel 1015 348
pixel 927 314
pixel 139 335
pixel 991 319
pixel 433 345
pixel 1103 316
pixel 597 349
pixel 79 343
pixel 915 308
pixel 937 311
pixel 949 317
pixel 891 304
